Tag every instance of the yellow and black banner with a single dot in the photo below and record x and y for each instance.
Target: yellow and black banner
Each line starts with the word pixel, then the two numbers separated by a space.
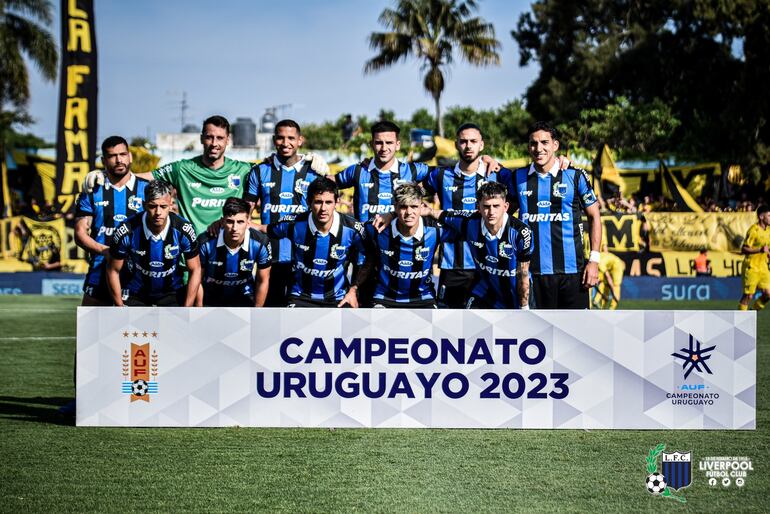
pixel 76 136
pixel 689 232
pixel 673 188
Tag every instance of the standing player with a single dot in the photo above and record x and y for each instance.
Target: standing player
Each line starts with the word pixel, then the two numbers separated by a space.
pixel 456 189
pixel 756 248
pixel 229 259
pixel 203 182
pixel 99 212
pixel 323 242
pixel 552 201
pixel 402 254
pixel 500 246
pixel 153 243
pixel 279 189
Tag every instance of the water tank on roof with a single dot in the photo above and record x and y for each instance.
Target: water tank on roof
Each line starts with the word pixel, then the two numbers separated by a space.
pixel 268 121
pixel 244 132
pixel 190 129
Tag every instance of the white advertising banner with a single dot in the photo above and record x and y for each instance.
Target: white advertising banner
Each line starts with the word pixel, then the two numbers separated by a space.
pixel 416 368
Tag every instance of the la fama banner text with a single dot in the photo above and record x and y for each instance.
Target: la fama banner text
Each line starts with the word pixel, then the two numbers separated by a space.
pixel 415 368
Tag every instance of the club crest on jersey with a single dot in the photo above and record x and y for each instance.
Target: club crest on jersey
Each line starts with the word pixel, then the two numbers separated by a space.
pixel 247 265
pixel 170 251
pixel 559 190
pixel 234 181
pixel 300 186
pixel 338 252
pixel 505 250
pixel 421 253
pixel 134 203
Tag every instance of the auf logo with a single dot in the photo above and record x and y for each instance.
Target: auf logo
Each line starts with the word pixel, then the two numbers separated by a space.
pixel 694 357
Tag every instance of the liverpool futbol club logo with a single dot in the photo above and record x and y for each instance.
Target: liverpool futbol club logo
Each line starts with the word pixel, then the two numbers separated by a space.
pixel 140 367
pixel 676 472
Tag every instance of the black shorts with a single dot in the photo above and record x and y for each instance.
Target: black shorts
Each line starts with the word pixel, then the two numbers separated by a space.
pixel 170 299
pixel 365 290
pixel 296 302
pixel 99 293
pixel 235 301
pixel 559 291
pixel 389 304
pixel 454 287
pixel 280 280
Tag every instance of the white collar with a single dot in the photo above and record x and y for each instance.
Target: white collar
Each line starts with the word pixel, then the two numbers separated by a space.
pixel 417 235
pixel 296 167
pixel 490 235
pixel 393 168
pixel 244 245
pixel 482 170
pixel 149 235
pixel 129 184
pixel 553 171
pixel 335 224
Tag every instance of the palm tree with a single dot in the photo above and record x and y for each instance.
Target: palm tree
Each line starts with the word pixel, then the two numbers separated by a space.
pixel 430 30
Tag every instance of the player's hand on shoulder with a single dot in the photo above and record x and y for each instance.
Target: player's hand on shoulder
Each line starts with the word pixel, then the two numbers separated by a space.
pixel 213 229
pixel 381 221
pixel 94 178
pixel 491 164
pixel 317 163
pixel 564 163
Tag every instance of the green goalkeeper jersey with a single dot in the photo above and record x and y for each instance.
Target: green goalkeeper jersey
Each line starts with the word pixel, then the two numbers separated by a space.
pixel 202 191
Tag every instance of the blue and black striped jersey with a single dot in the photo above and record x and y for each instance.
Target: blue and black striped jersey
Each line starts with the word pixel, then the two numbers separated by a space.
pixel 281 193
pixel 153 261
pixel 320 261
pixel 496 256
pixel 404 265
pixel 228 275
pixel 109 207
pixel 552 206
pixel 457 194
pixel 373 189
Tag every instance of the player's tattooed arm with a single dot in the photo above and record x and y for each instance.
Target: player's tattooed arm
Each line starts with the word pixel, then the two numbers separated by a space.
pixel 522 283
pixel 83 237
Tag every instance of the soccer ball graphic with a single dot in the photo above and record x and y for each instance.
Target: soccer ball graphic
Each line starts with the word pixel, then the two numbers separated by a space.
pixel 656 483
pixel 139 387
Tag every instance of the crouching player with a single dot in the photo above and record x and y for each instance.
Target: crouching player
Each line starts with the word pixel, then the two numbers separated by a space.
pixel 500 245
pixel 228 261
pixel 152 244
pixel 323 243
pixel 402 254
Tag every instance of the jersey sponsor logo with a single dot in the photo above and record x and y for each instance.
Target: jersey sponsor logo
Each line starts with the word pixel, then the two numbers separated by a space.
pixel 505 250
pixel 553 216
pixel 495 271
pixel 300 186
pixel 405 263
pixel 320 262
pixel 283 209
pixel 208 202
pixel 477 244
pixel 156 274
pixel 359 227
pixel 321 273
pixel 468 200
pixel 231 274
pixel 544 203
pixel 389 253
pixel 268 184
pixel 302 247
pixel 409 275
pixel 210 280
pixel 105 231
pixel 103 203
pixel 384 196
pixel 217 190
pixel 589 197
pixel 234 181
pixel 188 229
pixel 526 235
pixel 338 252
pixel 121 231
pixel 134 203
pixel 194 185
pixel 559 190
pixel 286 195
pixel 421 253
pixel 170 251
pixel 156 264
pixel 367 185
pixel 491 258
pixel 140 253
pixel 377 209
pixel 247 265
pixel 217 263
pixel 120 218
pixel 451 189
pixel 526 192
pixel 168 168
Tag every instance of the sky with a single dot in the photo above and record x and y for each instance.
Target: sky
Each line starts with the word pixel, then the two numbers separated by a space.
pixel 237 57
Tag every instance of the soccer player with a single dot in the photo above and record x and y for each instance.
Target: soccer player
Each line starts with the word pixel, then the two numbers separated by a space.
pixel 552 202
pixel 203 182
pixel 99 212
pixel 229 259
pixel 611 268
pixel 402 254
pixel 456 188
pixel 279 189
pixel 153 243
pixel 500 246
pixel 756 248
pixel 323 241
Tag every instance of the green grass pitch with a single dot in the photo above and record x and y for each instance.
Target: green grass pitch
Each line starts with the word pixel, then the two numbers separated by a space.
pixel 49 465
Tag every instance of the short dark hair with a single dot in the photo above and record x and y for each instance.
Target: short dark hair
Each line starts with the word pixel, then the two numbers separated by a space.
pixel 544 126
pixel 112 142
pixel 385 126
pixel 467 126
pixel 491 190
pixel 762 209
pixel 217 121
pixel 320 186
pixel 235 205
pixel 287 123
